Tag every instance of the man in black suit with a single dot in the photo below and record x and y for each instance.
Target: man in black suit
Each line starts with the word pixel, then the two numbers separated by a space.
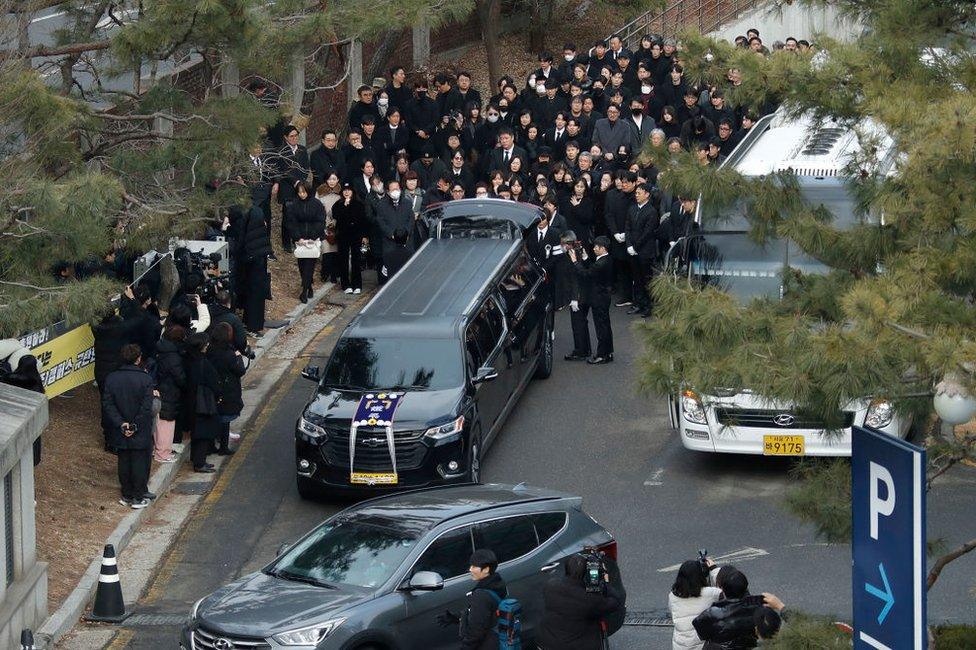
pixel 546 71
pixel 364 106
pixel 502 155
pixel 579 291
pixel 465 92
pixel 393 213
pixel 260 181
pixel 641 240
pixel 541 242
pixel 616 207
pixel 641 122
pixel 598 278
pixel 327 159
pixel 460 174
pixel 390 139
pixel 292 166
pixel 557 137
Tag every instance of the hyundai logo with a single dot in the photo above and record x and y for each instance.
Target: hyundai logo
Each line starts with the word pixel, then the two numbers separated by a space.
pixel 784 419
pixel 221 643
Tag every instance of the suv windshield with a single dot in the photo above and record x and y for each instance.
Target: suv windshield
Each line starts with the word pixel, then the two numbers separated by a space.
pixel 346 552
pixel 387 364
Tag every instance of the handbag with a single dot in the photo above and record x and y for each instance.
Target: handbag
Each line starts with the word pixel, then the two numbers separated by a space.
pixel 206 402
pixel 308 250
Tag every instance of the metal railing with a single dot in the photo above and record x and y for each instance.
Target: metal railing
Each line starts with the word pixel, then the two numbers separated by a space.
pixel 706 15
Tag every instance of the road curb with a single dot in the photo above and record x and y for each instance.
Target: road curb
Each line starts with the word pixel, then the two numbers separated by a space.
pixel 69 613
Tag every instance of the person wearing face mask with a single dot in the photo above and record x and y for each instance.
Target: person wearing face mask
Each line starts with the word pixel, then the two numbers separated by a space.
pixel 306 228
pixel 376 195
pixel 393 213
pixel 570 59
pixel 642 124
pixel 506 117
pixel 422 117
pixel 383 104
pixel 473 131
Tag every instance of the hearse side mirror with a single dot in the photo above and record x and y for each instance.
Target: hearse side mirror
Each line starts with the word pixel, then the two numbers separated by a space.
pixel 312 373
pixel 426 581
pixel 485 373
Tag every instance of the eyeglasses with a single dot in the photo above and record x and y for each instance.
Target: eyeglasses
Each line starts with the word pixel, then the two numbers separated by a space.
pixel 457 191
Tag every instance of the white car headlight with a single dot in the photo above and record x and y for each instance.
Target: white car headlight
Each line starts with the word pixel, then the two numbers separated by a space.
pixel 311 429
pixel 446 430
pixel 879 414
pixel 692 407
pixel 309 636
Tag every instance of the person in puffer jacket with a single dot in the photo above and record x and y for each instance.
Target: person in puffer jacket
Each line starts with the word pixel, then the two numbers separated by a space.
pixel 729 624
pixel 692 593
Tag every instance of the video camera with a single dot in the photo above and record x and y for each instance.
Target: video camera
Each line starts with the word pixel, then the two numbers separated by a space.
pixel 596 568
pixel 200 273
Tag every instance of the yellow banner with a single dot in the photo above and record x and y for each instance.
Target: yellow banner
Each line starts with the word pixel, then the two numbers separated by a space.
pixel 66 361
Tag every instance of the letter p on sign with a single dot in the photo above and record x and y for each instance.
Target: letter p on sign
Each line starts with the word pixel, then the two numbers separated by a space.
pixel 880 507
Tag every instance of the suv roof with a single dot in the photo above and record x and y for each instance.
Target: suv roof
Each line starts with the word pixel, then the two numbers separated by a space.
pixel 438 287
pixel 432 506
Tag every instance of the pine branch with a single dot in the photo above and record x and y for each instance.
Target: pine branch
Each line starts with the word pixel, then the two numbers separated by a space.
pixel 941 563
pixel 55 50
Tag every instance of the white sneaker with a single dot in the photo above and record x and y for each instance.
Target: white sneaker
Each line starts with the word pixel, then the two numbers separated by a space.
pixel 349 290
pixel 357 291
pixel 139 504
pixel 124 502
pixel 234 437
pixel 171 459
pixel 177 448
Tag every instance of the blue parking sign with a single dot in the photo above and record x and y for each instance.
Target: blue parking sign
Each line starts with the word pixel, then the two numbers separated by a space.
pixel 888 542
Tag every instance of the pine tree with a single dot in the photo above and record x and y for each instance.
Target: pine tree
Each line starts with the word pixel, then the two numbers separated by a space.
pixel 89 168
pixel 894 315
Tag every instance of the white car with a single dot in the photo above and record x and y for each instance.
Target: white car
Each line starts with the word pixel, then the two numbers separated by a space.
pixel 745 423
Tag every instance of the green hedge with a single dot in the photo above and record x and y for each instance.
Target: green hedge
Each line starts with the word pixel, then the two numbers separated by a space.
pixel 955 637
pixel 805 632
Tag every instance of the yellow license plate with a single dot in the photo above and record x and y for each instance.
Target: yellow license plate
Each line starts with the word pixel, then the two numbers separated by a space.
pixel 783 445
pixel 366 478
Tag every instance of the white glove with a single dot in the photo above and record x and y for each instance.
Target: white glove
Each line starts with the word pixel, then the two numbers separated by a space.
pixel 620 237
pixel 574 305
pixel 631 251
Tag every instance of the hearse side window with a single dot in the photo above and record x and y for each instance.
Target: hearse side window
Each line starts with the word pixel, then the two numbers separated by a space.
pixel 483 334
pixel 509 538
pixel 448 555
pixel 515 288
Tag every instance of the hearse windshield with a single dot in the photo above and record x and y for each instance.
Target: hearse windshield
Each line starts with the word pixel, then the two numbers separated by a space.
pixel 726 257
pixel 389 363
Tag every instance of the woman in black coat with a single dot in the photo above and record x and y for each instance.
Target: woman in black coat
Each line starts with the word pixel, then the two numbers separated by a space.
pixel 230 367
pixel 170 382
pixel 306 227
pixel 352 231
pixel 200 400
pixel 578 210
pixel 572 617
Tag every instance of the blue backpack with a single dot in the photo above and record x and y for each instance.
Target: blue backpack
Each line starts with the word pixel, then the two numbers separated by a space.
pixel 508 622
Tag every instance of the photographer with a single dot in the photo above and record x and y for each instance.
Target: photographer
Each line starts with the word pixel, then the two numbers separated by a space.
pixel 690 596
pixel 221 312
pixel 575 610
pixel 729 623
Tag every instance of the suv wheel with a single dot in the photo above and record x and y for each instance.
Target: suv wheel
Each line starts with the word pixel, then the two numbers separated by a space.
pixel 474 460
pixel 544 367
pixel 309 489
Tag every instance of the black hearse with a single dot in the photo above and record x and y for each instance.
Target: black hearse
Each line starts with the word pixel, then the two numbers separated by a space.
pixel 447 345
pixel 480 219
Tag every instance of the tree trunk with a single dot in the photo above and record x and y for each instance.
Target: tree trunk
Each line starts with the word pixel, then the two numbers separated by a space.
pixel 539 24
pixel 377 64
pixel 489 15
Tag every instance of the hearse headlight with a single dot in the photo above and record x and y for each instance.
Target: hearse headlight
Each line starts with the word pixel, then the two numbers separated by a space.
pixel 309 636
pixel 691 407
pixel 311 429
pixel 447 430
pixel 879 414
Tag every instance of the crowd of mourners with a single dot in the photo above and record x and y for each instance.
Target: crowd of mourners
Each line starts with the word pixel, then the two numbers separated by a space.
pixel 571 138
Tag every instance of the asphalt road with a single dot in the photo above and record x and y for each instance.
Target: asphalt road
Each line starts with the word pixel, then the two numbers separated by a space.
pixel 584 430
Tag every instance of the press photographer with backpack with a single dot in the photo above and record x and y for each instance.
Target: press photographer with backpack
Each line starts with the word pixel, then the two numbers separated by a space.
pixel 575 610
pixel 492 620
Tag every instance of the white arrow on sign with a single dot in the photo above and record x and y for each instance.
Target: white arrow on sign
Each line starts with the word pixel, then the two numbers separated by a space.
pixel 741 555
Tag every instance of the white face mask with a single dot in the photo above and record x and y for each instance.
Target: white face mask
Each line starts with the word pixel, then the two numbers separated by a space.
pixel 646 90
pixel 568 57
pixel 540 89
pixel 395 195
pixel 378 189
pixel 383 101
pixel 492 118
pixel 532 80
pixel 482 195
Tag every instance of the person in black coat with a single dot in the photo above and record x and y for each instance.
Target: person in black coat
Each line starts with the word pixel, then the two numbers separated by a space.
pixel 137 306
pixel 618 202
pixel 599 277
pixel 307 225
pixel 170 383
pixel 479 619
pixel 127 410
pixel 643 221
pixel 572 618
pixel 395 258
pixel 253 286
pixel 327 159
pixel 578 211
pixel 390 138
pixel 352 232
pixel 200 401
pixel 293 165
pixel 230 367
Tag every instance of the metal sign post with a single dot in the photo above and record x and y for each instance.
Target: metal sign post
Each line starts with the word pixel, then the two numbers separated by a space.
pixel 888 542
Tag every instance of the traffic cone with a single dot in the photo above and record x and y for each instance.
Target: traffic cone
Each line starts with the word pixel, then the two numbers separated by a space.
pixel 108 607
pixel 26 640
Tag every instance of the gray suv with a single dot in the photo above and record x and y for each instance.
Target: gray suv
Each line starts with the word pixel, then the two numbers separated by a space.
pixel 376 575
